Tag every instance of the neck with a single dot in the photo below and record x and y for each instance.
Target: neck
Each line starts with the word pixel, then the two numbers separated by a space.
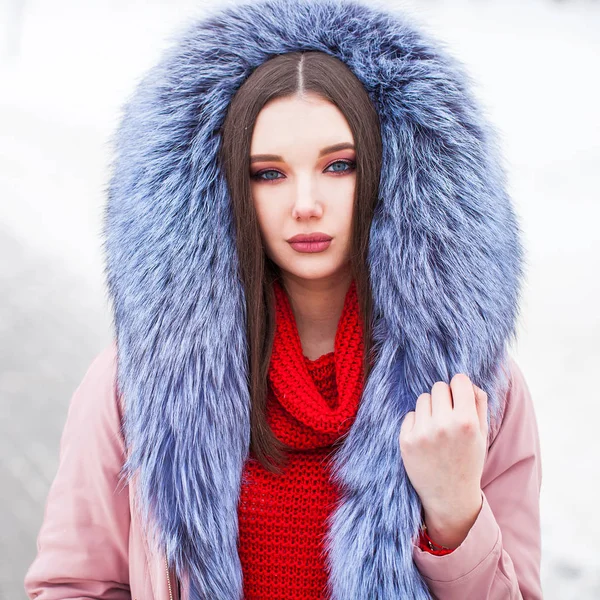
pixel 317 308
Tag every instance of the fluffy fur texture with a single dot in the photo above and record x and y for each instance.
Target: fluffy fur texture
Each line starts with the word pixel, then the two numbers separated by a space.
pixel 445 261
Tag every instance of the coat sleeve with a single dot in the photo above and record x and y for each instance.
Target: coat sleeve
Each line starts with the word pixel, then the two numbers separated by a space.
pixel 500 557
pixel 82 545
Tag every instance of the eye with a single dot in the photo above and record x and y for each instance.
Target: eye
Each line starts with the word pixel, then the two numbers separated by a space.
pixel 260 174
pixel 350 165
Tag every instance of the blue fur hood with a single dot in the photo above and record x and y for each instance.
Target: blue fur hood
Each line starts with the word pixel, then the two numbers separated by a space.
pixel 445 261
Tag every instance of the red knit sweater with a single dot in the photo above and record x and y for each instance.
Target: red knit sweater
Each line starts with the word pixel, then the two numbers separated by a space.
pixel 311 404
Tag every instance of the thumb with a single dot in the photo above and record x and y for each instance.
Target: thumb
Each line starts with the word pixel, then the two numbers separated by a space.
pixel 481 401
pixel 407 425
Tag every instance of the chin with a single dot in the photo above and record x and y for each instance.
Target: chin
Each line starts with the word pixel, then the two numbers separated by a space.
pixel 313 269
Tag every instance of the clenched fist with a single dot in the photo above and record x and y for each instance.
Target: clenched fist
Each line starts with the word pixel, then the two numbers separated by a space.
pixel 443 445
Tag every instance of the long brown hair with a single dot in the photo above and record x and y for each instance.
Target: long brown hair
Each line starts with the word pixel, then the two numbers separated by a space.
pixel 290 74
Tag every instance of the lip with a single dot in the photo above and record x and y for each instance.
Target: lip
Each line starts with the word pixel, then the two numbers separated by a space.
pixel 310 237
pixel 310 246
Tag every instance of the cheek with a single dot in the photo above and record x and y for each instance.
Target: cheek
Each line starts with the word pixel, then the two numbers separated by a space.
pixel 346 210
pixel 269 220
pixel 340 194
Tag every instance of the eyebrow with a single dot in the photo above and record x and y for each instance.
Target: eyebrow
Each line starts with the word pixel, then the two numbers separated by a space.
pixel 323 152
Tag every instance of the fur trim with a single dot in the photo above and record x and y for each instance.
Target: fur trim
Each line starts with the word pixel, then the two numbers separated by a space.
pixel 445 260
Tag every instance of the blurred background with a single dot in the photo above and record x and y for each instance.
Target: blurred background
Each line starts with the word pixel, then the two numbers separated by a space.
pixel 65 69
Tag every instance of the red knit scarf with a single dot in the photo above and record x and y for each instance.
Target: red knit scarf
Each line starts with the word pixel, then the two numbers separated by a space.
pixel 310 404
pixel 302 417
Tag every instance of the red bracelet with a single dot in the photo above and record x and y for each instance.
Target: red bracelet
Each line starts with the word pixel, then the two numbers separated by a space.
pixel 427 544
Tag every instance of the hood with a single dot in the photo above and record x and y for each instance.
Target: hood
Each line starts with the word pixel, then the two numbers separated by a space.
pixel 445 262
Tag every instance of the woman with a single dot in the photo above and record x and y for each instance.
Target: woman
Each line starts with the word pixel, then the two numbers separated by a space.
pixel 282 418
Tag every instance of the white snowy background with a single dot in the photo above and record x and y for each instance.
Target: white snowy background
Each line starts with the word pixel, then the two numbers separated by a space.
pixel 65 69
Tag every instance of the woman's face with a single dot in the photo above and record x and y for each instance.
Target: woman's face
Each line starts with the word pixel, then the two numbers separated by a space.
pixel 302 178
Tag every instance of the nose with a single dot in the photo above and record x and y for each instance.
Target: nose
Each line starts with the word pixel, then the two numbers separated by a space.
pixel 306 201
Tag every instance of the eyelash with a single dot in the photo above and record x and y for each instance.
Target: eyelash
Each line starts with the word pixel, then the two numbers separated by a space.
pixel 350 163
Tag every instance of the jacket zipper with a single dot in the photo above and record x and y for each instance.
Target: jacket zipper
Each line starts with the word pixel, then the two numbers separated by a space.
pixel 168 578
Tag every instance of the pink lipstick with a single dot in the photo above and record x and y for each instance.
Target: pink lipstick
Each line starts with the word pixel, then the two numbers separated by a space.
pixel 313 242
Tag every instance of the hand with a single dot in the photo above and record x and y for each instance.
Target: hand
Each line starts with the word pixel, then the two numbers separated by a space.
pixel 443 444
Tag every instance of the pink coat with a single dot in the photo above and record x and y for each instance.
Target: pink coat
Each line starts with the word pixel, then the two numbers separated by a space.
pixel 92 545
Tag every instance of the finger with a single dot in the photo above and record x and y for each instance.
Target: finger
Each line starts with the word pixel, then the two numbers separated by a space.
pixel 441 401
pixel 463 397
pixel 407 424
pixel 422 411
pixel 481 399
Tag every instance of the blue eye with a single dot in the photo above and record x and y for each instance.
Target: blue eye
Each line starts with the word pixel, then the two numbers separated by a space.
pixel 260 174
pixel 349 163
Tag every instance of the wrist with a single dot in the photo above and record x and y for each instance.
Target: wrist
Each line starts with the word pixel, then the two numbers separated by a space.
pixel 449 531
pixel 427 544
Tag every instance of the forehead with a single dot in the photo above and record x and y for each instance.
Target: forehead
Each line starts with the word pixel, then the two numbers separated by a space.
pixel 293 123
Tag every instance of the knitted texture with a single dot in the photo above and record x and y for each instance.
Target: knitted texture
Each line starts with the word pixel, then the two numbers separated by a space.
pixel 314 421
pixel 310 405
